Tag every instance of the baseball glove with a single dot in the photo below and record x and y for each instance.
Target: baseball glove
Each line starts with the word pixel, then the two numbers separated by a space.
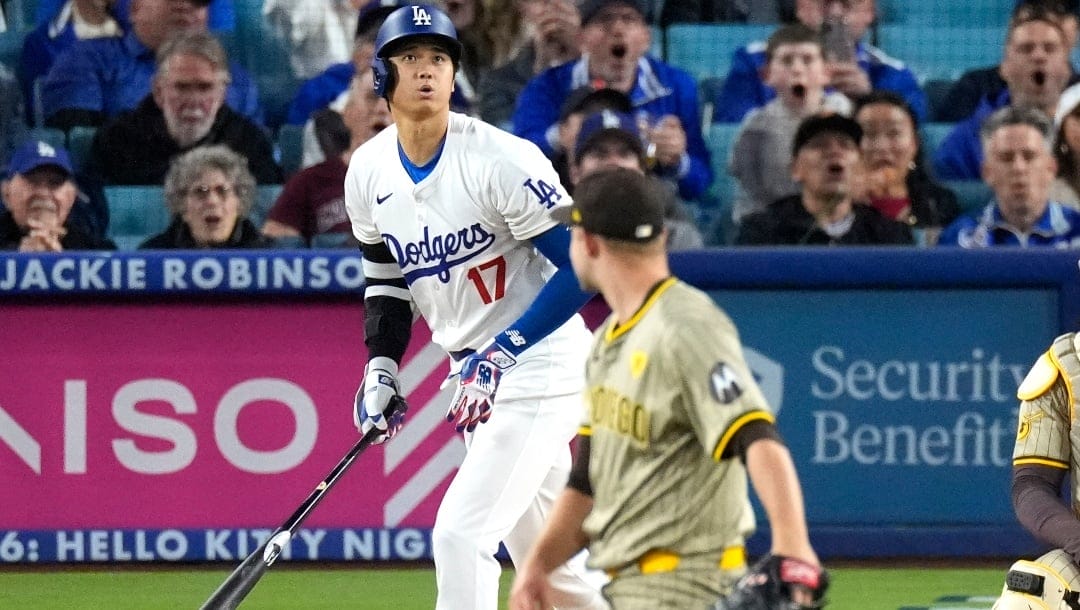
pixel 771 584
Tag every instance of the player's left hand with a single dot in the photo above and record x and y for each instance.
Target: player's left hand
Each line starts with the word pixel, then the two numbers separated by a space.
pixel 778 582
pixel 372 399
pixel 478 380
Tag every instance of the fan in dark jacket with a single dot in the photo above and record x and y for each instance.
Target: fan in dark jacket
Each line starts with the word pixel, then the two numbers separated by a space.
pixel 827 163
pixel 38 196
pixel 185 109
pixel 209 191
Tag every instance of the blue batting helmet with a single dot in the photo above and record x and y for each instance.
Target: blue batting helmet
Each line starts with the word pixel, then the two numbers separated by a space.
pixel 408 22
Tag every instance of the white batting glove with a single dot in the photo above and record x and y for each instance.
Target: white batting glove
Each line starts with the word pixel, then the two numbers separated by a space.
pixel 379 386
pixel 477 381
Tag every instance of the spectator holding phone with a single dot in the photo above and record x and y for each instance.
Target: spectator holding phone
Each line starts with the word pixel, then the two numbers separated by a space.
pixel 855 67
pixel 616 40
pixel 761 155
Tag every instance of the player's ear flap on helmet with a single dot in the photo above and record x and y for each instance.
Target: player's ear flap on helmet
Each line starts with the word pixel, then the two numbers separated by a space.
pixel 383 76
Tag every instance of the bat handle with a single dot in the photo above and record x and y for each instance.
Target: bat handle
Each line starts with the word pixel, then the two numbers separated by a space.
pixel 233 591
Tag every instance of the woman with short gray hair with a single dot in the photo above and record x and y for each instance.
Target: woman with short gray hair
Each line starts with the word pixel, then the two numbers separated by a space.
pixel 209 191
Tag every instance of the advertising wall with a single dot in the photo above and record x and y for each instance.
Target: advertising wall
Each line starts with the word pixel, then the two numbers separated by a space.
pixel 178 407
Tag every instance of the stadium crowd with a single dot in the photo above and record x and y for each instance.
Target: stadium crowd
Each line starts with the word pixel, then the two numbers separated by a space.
pixel 779 122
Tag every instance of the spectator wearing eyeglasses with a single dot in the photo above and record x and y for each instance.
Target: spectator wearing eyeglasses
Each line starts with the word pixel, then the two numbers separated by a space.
pixel 209 192
pixel 185 109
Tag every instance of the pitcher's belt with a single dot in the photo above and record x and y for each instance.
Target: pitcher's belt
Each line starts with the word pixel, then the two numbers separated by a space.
pixel 660 562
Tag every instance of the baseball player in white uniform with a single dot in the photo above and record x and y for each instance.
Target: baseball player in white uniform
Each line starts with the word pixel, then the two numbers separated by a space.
pixel 451 215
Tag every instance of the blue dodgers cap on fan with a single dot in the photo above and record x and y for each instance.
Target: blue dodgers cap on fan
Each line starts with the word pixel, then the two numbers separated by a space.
pixel 591 8
pixel 608 124
pixel 616 203
pixel 35 154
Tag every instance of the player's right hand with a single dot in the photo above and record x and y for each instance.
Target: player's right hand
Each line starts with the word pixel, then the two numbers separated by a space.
pixel 531 589
pixel 379 386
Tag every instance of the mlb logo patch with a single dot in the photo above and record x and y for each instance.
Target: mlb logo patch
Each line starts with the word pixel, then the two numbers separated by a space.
pixel 725 384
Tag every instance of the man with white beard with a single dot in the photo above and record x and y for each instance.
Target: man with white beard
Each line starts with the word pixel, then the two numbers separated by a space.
pixel 186 108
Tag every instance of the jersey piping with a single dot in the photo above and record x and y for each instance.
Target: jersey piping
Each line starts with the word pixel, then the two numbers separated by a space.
pixel 615 330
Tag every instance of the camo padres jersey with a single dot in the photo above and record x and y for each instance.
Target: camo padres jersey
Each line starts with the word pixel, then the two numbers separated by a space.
pixel 1046 433
pixel 461 234
pixel 665 393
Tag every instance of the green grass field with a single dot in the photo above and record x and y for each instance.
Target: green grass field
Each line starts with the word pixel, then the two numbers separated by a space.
pixel 374 588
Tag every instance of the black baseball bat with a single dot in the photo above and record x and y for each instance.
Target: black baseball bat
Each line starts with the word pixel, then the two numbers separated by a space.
pixel 244 578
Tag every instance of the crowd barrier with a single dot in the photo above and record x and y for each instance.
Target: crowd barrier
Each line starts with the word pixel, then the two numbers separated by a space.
pixel 159 407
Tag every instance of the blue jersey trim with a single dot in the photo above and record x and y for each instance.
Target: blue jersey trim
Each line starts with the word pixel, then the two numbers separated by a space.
pixel 418 173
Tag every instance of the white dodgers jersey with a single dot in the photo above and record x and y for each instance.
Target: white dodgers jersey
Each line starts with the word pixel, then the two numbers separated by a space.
pixel 460 235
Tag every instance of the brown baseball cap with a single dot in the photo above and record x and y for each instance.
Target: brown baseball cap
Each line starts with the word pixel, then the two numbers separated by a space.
pixel 616 203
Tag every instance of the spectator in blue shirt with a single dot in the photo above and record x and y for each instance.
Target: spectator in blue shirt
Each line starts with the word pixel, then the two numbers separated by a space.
pixel 12 121
pixel 868 68
pixel 965 94
pixel 95 80
pixel 1036 70
pixel 615 39
pixel 1020 168
pixel 330 89
pixel 75 20
pixel 333 83
pixel 186 109
pixel 222 15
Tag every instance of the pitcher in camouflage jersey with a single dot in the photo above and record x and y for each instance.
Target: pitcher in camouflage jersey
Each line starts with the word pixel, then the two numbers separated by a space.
pixel 674 425
pixel 1047 449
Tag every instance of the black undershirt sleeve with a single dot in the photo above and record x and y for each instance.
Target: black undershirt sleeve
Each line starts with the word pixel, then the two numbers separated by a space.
pixel 387 319
pixel 1036 499
pixel 579 473
pixel 753 431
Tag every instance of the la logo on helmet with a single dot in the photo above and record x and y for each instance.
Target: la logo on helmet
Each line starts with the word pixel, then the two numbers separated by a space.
pixel 420 16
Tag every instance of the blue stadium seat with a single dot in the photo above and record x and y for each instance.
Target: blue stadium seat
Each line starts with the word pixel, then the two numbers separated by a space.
pixel 948 13
pixel 942 52
pixel 972 195
pixel 135 213
pixel 708 89
pixel 10 49
pixel 705 49
pixel 51 136
pixel 717 226
pixel 290 143
pixel 79 141
pixel 936 90
pixel 264 54
pixel 291 242
pixel 332 240
pixel 265 196
pixel 21 15
pixel 932 135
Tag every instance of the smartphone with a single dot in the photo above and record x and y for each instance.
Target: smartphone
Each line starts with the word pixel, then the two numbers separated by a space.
pixel 837 44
